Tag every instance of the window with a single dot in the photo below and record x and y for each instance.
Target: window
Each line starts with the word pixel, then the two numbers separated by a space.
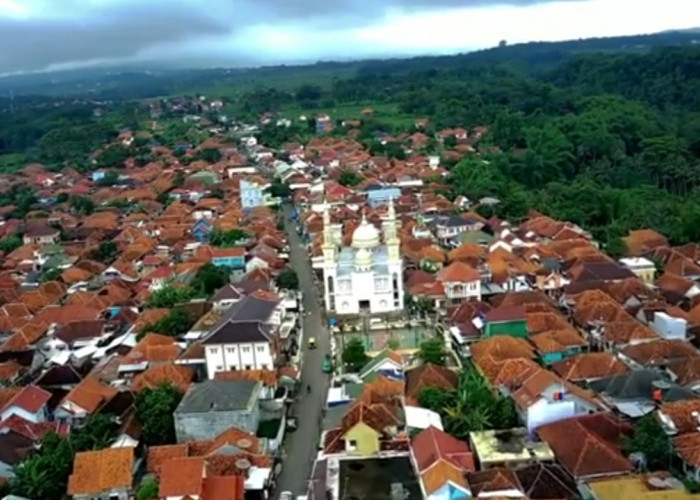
pixel 213 350
pixel 263 367
pixel 246 349
pixel 261 348
pixel 352 445
pixel 247 367
pixel 230 350
pixel 219 368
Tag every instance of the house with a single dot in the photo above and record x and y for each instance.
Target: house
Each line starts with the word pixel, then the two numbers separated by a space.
pixel 428 375
pixel 380 195
pixel 543 397
pixel 213 406
pixel 245 338
pixel 449 227
pixel 252 195
pixel 194 478
pixel 640 487
pixel 233 258
pixel 386 362
pixel 638 392
pixel 201 230
pixel 643 268
pixel 83 400
pixel 101 474
pixel 441 461
pixel 461 282
pixel 589 446
pixel 588 367
pixel 545 481
pixel 14 448
pixel 506 320
pixel 508 448
pixel 30 403
pixel 41 233
pixel 226 296
pixel 364 430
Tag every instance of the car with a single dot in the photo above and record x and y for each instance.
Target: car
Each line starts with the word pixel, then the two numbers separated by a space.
pixel 327 365
pixel 286 495
pixel 312 343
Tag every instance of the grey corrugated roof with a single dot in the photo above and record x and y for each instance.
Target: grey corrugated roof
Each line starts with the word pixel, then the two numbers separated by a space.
pixel 219 395
pixel 639 385
pixel 251 309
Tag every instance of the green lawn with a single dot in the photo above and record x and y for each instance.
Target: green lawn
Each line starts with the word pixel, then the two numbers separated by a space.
pixel 387 113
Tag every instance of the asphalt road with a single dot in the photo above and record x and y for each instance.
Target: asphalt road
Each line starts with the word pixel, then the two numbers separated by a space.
pixel 303 443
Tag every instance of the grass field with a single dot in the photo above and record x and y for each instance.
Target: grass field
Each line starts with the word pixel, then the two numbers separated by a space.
pixel 389 114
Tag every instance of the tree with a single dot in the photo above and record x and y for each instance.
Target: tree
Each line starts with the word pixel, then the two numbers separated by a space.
pixel 650 439
pixel 179 179
pixel 110 178
pixel 176 323
pixel 11 243
pixel 148 490
pixel 210 278
pixel 433 351
pixel 106 252
pixel 154 413
pixel 354 355
pixel 349 178
pixel 169 296
pixel 434 399
pixel 210 155
pixel 50 274
pixel 288 279
pixel 279 189
pixel 227 239
pixel 82 205
pixel 44 474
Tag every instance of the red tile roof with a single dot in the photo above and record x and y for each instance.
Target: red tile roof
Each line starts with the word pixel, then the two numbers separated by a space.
pixel 588 445
pixel 432 444
pixel 30 398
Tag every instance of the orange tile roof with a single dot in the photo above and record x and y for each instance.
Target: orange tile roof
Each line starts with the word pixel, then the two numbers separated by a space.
pixel 588 366
pixel 178 375
pixel 502 347
pixel 182 476
pixel 90 394
pixel 682 414
pixel 98 472
pixel 458 272
pixel 439 474
pixel 153 347
pixel 588 445
pixel 557 340
pixel 267 377
pixel 158 455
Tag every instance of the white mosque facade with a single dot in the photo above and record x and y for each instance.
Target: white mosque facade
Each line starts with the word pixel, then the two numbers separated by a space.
pixel 367 277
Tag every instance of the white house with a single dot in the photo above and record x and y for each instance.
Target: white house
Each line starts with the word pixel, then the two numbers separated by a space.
pixel 245 337
pixel 30 403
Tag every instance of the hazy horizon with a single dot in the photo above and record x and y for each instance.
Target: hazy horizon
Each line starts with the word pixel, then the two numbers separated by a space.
pixel 45 36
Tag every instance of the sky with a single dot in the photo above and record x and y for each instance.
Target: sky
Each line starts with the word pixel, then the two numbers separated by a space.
pixel 40 35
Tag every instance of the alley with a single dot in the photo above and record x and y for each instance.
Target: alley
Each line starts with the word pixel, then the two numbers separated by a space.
pixel 302 447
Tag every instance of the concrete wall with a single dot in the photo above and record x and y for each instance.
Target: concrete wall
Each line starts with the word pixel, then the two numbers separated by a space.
pixel 201 426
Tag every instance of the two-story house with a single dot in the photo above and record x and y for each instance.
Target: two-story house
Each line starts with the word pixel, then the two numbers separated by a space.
pixel 252 195
pixel 209 408
pixel 449 227
pixel 461 282
pixel 245 338
pixel 229 257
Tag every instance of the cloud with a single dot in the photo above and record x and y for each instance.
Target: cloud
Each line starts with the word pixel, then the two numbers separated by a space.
pixel 49 34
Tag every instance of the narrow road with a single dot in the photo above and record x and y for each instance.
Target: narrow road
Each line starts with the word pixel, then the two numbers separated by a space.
pixel 303 445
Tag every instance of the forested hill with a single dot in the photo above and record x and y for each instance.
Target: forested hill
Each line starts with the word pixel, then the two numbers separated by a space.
pixel 142 82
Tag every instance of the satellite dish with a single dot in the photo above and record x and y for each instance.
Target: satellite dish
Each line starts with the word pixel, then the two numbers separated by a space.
pixel 658 483
pixel 244 443
pixel 661 384
pixel 243 464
